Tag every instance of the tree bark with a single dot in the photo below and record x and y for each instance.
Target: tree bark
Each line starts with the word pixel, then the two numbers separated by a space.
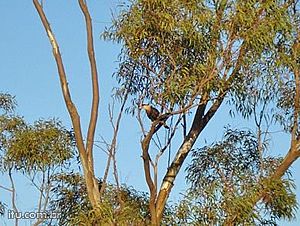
pixel 199 123
pixel 95 98
pixel 84 152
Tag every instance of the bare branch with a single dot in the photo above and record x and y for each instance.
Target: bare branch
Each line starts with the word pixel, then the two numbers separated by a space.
pixel 45 188
pixel 95 85
pixel 13 195
pixel 168 140
pixel 41 193
pixel 113 145
pixel 84 152
pixel 63 79
pixel 5 188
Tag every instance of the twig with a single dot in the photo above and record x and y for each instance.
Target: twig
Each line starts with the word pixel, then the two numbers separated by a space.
pixel 5 188
pixel 113 145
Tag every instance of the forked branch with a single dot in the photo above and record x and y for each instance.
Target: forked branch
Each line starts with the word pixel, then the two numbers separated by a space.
pixel 85 152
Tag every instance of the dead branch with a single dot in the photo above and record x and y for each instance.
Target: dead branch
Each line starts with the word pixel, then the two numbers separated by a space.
pixel 113 145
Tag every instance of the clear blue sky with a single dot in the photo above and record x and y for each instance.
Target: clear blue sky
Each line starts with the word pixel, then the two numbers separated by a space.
pixel 28 71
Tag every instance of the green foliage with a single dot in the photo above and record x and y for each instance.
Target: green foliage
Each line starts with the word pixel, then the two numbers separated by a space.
pixel 37 147
pixel 124 206
pixel 70 196
pixel 177 50
pixel 119 206
pixel 280 198
pixel 165 47
pixel 9 125
pixel 225 179
pixel 7 102
pixel 257 23
pixel 180 52
pixel 270 79
pixel 285 104
pixel 37 151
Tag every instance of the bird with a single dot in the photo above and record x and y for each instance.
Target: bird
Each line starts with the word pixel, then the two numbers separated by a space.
pixel 153 114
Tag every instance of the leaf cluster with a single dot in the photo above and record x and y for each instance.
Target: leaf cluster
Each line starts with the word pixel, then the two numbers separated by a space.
pixel 165 44
pixel 280 199
pixel 225 179
pixel 43 145
pixel 176 51
pixel 124 206
pixel 7 102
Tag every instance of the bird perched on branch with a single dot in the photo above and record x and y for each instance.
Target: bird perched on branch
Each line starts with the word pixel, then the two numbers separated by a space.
pixel 153 114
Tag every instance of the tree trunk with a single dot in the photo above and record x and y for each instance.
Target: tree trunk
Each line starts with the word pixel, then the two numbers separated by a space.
pixel 85 152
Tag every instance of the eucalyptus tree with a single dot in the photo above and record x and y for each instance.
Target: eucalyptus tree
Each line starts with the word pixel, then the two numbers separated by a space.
pixel 187 58
pixel 37 151
pixel 224 179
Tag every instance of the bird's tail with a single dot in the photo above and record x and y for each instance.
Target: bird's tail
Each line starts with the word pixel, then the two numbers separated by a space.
pixel 164 124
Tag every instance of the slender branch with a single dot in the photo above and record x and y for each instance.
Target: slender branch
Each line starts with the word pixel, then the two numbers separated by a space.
pixel 95 85
pixel 184 125
pixel 48 189
pixel 95 98
pixel 168 142
pixel 85 154
pixel 5 188
pixel 44 193
pixel 107 168
pixel 41 193
pixel 162 150
pixel 13 195
pixel 63 80
pixel 146 157
pixel 113 145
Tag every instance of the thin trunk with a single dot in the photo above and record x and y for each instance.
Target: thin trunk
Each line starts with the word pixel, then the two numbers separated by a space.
pixel 95 99
pixel 85 157
pixel 199 123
